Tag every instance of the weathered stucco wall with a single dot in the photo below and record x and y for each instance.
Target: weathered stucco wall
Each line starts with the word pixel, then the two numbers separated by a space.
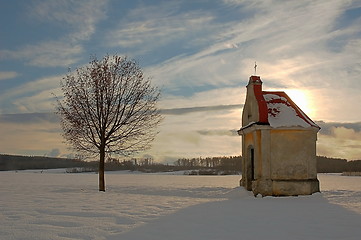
pixel 284 161
pixel 248 142
pixel 293 154
pixel 250 110
pixel 257 138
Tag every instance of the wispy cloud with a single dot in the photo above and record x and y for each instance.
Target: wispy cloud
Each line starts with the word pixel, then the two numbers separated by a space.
pixel 150 27
pixel 219 132
pixel 194 130
pixel 328 127
pixel 26 118
pixel 80 17
pixel 8 75
pixel 33 96
pixel 181 111
pixel 36 138
pixel 293 45
pixel 340 146
pixel 203 59
pixel 340 139
pixel 288 40
pixel 46 54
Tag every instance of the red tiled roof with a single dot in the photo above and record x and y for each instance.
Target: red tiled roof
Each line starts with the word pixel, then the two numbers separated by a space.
pixel 277 109
pixel 283 112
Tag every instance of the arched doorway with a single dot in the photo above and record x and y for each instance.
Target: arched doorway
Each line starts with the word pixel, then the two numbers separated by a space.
pixel 252 163
pixel 250 168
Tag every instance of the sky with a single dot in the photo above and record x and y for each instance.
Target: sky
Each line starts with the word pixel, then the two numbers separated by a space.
pixel 200 53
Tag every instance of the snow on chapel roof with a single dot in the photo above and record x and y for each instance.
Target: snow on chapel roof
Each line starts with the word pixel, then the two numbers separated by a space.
pixel 277 109
pixel 283 112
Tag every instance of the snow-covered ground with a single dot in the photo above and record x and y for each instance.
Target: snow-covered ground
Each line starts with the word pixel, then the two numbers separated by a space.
pixel 56 205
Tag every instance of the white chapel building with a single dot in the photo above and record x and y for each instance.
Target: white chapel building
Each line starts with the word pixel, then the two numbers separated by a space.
pixel 278 144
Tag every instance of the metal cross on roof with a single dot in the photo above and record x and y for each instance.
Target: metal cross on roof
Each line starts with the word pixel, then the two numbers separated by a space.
pixel 255 68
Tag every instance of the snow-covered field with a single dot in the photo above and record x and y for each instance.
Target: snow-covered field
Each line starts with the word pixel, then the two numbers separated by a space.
pixel 56 205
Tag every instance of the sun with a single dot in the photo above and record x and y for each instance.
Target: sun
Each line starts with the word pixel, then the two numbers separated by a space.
pixel 302 99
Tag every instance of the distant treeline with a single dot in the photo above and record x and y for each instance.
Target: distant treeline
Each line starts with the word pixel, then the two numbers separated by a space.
pixel 211 165
pixel 337 165
pixel 324 164
pixel 215 165
pixel 224 163
pixel 14 162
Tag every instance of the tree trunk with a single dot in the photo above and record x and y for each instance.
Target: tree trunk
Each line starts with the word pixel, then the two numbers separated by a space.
pixel 101 169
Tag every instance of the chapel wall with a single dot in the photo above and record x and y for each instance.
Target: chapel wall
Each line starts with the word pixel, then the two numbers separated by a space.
pixel 292 154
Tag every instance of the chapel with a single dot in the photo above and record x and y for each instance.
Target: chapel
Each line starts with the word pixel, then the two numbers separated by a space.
pixel 278 144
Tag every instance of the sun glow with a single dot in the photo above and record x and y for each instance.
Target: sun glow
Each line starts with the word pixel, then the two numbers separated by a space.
pixel 303 100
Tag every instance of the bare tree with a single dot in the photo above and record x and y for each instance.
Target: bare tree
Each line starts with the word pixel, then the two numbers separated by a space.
pixel 108 108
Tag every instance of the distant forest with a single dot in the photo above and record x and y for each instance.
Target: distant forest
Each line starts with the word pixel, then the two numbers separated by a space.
pixel 15 162
pixel 206 166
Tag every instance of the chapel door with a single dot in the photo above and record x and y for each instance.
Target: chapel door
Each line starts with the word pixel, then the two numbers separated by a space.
pixel 252 164
pixel 250 169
